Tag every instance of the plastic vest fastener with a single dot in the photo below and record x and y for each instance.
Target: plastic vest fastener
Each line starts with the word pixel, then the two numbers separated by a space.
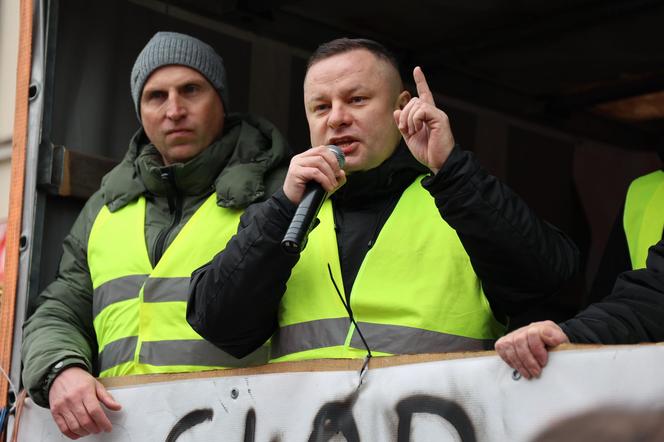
pixel 139 311
pixel 644 216
pixel 415 292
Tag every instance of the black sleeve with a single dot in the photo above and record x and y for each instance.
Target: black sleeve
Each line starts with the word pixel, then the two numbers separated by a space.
pixel 615 260
pixel 234 299
pixel 632 313
pixel 519 258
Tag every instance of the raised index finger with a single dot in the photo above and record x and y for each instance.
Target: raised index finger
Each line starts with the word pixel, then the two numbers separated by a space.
pixel 423 90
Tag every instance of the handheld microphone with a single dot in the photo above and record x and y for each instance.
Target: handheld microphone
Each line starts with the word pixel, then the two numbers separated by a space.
pixel 304 219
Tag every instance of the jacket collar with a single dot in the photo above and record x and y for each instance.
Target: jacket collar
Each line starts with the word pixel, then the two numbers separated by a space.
pixel 389 178
pixel 195 177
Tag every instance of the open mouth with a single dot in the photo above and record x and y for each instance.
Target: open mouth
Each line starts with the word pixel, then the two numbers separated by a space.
pixel 347 144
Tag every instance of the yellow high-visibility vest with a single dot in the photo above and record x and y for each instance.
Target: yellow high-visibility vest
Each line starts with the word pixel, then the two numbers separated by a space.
pixel 415 292
pixel 643 218
pixel 139 311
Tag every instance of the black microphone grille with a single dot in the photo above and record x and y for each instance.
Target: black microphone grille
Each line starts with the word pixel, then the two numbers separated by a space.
pixel 336 150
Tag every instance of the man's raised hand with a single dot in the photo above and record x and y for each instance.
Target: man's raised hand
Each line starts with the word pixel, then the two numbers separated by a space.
pixel 424 127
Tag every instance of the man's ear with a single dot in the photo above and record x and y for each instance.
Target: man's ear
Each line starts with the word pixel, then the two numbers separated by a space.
pixel 403 99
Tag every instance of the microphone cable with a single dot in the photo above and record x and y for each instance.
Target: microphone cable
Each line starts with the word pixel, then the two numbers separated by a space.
pixel 365 366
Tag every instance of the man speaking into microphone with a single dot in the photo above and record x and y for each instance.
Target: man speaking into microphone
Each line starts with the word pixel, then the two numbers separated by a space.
pixel 425 250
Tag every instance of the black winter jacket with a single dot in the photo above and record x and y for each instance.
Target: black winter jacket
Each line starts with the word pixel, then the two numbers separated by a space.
pixel 519 258
pixel 632 313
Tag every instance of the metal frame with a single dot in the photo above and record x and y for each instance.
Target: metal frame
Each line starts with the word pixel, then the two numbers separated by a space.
pixel 39 125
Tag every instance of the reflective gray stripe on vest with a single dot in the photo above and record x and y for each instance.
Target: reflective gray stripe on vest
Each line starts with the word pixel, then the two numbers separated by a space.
pixel 116 290
pixel 195 352
pixel 166 290
pixel 398 339
pixel 393 339
pixel 117 352
pixel 309 335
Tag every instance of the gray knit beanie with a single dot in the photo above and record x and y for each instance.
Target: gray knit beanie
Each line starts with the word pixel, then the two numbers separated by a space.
pixel 166 48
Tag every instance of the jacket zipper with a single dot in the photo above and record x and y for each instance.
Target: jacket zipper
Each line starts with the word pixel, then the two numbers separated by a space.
pixel 380 221
pixel 174 207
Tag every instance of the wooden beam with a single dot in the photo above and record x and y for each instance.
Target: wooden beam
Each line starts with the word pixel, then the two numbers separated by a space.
pixel 70 173
pixel 82 173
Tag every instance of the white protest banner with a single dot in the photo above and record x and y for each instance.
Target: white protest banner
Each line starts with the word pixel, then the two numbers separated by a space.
pixel 469 398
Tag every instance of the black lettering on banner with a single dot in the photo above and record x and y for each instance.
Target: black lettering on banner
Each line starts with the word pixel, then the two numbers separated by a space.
pixel 250 426
pixel 188 421
pixel 447 409
pixel 334 418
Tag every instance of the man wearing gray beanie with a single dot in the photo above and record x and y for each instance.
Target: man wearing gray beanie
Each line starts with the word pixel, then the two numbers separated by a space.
pixel 165 210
